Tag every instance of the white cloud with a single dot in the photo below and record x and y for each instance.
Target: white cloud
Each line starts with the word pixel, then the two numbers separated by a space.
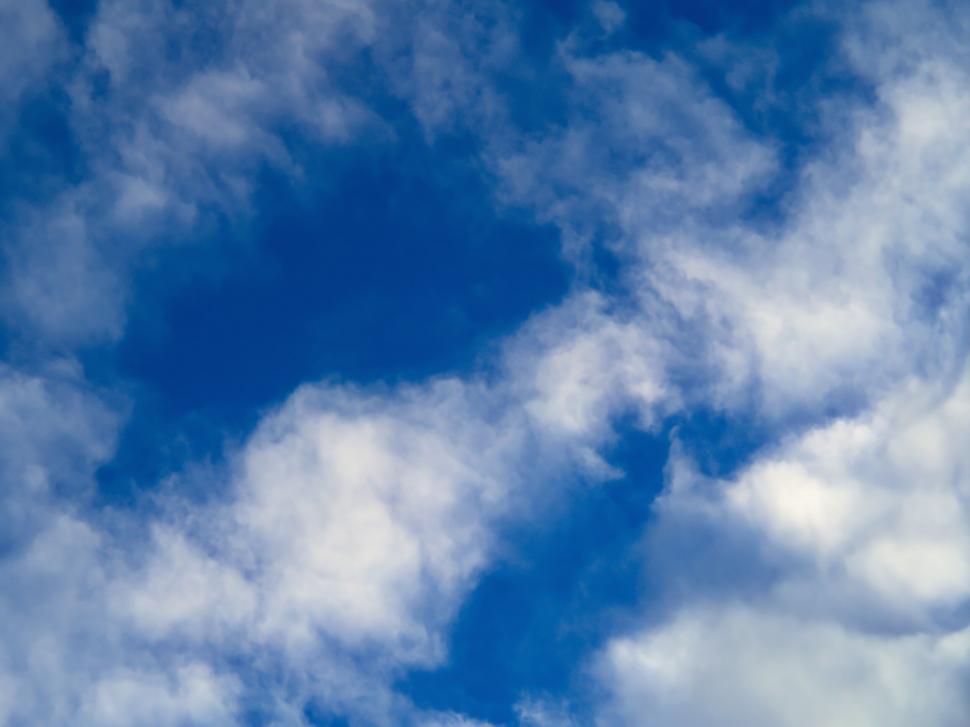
pixel 851 301
pixel 532 712
pixel 356 523
pixel 364 518
pixel 609 15
pixel 64 658
pixel 450 720
pixel 352 523
pixel 445 61
pixel 852 288
pixel 345 535
pixel 192 695
pixel 580 365
pixel 879 502
pixel 34 44
pixel 177 108
pixel 740 665
pixel 174 109
pixel 647 149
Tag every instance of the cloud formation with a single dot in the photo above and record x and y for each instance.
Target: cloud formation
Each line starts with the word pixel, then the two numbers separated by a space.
pixel 329 554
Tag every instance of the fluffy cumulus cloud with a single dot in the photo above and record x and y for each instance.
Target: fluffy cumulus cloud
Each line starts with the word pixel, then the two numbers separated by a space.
pixel 351 526
pixel 857 284
pixel 823 581
pixel 860 532
pixel 735 665
pixel 855 525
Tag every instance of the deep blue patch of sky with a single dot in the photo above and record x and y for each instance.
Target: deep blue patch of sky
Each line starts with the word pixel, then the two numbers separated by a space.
pixel 75 16
pixel 568 582
pixel 396 270
pixel 562 585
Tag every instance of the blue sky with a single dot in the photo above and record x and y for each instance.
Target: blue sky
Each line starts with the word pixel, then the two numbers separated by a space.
pixel 476 364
